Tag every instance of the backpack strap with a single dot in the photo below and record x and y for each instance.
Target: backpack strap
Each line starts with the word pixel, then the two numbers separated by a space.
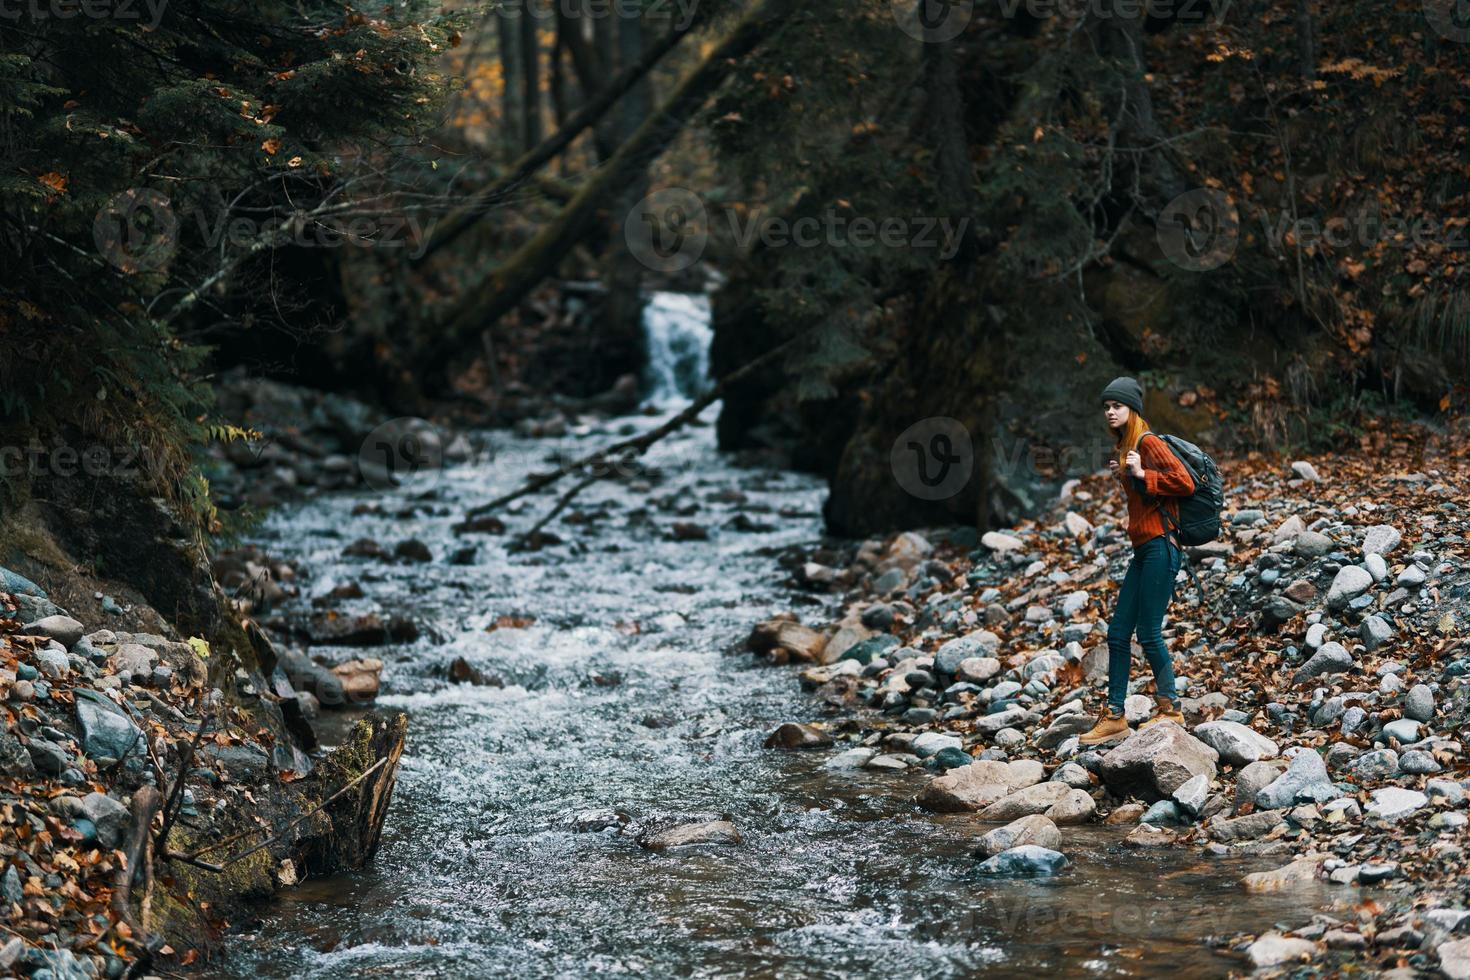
pixel 1171 525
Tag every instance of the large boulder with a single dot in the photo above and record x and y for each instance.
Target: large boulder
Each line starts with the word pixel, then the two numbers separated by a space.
pixel 1236 744
pixel 978 785
pixel 1155 761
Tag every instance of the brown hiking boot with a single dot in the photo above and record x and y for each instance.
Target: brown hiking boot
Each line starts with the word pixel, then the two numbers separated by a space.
pixel 1165 710
pixel 1108 728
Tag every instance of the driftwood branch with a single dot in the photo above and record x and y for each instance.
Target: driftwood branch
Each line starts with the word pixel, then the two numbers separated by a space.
pixel 135 851
pixel 176 794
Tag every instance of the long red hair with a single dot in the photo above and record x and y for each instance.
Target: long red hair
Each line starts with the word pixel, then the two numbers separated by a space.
pixel 1129 434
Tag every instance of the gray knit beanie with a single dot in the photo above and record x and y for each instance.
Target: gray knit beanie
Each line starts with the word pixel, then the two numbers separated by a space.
pixel 1125 391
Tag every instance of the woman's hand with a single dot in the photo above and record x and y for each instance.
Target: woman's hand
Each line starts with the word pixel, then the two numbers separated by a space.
pixel 1135 463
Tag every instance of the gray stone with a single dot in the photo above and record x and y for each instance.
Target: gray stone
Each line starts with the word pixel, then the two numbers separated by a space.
pixel 1404 730
pixel 1417 762
pixel 107 733
pixel 1028 859
pixel 109 816
pixel 49 758
pixel 53 663
pixel 1350 582
pixel 977 670
pixel 18 584
pixel 980 643
pixel 62 629
pixel 1447 790
pixel 1419 703
pixel 1381 539
pixel 1248 827
pixel 931 743
pixel 1076 807
pixel 1331 658
pixel 1164 813
pixel 1394 803
pixel 1375 632
pixel 1305 470
pixel 1073 775
pixel 1376 566
pixel 1378 764
pixel 851 759
pixel 1037 798
pixel 1236 744
pixel 1454 959
pixel 1312 544
pixel 10 886
pixel 15 761
pixel 1274 949
pixel 1155 761
pixel 978 785
pixel 1305 781
pixel 688 835
pixel 1032 829
pixel 1193 793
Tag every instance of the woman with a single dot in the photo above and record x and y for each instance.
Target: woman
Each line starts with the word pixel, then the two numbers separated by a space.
pixel 1149 583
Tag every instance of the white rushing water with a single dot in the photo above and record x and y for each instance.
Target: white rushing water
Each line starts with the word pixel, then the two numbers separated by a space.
pixel 676 329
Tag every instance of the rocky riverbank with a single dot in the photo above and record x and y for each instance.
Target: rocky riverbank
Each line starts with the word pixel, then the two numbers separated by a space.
pixel 154 788
pixel 1322 675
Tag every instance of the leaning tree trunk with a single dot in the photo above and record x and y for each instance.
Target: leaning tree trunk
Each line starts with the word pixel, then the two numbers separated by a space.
pixel 502 290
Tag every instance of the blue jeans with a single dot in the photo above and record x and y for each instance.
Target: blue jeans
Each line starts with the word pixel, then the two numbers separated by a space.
pixel 1147 588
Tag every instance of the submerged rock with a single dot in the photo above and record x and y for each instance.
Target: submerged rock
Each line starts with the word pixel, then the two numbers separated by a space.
pixel 721 832
pixel 1027 859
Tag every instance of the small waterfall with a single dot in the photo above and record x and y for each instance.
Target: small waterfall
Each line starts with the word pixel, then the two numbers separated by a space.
pixel 676 329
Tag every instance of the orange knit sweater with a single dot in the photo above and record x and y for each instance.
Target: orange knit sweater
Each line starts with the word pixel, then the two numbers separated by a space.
pixel 1162 474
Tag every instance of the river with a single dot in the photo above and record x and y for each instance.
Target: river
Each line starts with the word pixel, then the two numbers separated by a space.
pixel 625 692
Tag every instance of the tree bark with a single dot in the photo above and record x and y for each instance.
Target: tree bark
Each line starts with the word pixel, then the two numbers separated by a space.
pixel 461 220
pixel 530 79
pixel 1306 39
pixel 502 289
pixel 510 70
pixel 625 272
